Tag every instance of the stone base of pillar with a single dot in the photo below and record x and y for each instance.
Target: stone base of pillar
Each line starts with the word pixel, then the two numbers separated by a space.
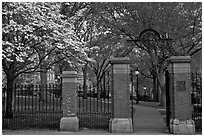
pixel 120 125
pixel 70 124
pixel 185 127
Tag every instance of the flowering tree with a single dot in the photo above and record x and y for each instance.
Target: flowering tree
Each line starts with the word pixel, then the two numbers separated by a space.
pixel 34 34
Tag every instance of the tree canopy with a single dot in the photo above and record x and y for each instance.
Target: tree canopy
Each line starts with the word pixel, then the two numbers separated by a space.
pixel 35 32
pixel 37 35
pixel 32 32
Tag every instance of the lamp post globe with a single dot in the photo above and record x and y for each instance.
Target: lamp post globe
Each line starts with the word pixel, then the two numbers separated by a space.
pixel 137 91
pixel 137 72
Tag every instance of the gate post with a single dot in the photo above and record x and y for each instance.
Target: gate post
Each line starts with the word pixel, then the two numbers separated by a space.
pixel 180 95
pixel 69 121
pixel 121 121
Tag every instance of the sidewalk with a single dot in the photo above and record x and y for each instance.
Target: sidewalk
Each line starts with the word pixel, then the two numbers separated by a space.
pixel 147 121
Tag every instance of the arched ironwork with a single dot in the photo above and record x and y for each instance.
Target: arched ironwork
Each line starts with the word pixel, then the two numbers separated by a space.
pixel 149 37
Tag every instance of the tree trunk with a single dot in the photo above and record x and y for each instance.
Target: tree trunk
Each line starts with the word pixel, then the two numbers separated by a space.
pixel 43 82
pixel 161 84
pixel 163 97
pixel 98 87
pixel 9 97
pixel 155 92
pixel 84 81
pixel 43 78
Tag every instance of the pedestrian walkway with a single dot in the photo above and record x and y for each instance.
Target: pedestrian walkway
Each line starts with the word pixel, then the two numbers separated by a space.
pixel 147 119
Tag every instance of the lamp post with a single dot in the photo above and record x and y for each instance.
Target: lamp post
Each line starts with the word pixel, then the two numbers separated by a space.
pixel 131 97
pixel 145 94
pixel 59 79
pixel 137 91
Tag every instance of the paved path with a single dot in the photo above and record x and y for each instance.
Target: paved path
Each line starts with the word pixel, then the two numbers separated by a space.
pixel 147 120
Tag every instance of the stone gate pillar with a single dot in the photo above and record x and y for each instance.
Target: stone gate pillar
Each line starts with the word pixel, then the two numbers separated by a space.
pixel 121 121
pixel 69 121
pixel 180 95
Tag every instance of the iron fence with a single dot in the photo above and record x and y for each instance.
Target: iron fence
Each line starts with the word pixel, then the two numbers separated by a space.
pixel 196 99
pixel 94 106
pixel 168 101
pixel 33 106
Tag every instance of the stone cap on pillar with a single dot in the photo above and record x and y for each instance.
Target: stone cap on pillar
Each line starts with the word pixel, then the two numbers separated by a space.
pixel 69 74
pixel 179 64
pixel 179 59
pixel 119 60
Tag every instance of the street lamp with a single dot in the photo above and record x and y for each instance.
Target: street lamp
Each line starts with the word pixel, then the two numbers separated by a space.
pixel 145 87
pixel 137 91
pixel 131 97
pixel 57 79
pixel 145 94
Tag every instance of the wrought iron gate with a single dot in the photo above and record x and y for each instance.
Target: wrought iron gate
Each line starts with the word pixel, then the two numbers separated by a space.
pixel 168 102
pixel 196 99
pixel 94 109
pixel 132 97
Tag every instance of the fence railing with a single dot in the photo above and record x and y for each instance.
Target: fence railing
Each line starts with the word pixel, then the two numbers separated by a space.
pixel 94 106
pixel 196 99
pixel 36 106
